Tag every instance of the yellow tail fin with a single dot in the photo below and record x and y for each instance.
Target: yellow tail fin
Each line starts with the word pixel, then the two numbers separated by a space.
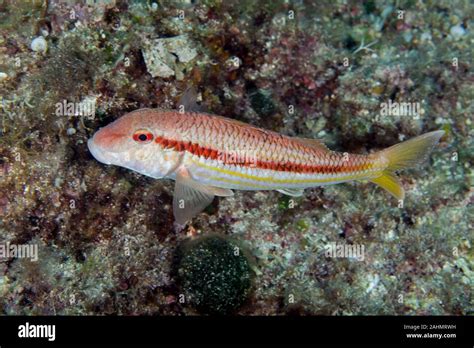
pixel 405 155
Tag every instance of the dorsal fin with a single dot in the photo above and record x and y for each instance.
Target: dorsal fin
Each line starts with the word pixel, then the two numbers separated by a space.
pixel 188 101
pixel 242 124
pixel 313 143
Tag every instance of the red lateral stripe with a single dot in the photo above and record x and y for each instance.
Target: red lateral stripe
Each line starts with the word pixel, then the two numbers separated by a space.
pixel 195 149
pixel 209 153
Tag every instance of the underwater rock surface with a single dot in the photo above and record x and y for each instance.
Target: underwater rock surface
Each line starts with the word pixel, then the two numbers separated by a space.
pixel 104 237
pixel 161 55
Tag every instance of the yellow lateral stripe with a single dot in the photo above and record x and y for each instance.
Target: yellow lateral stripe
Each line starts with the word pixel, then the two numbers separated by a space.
pixel 277 181
pixel 237 182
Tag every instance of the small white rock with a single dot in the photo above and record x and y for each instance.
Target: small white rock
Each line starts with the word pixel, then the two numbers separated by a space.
pixel 44 32
pixel 58 182
pixel 426 36
pixel 39 44
pixel 457 31
pixel 3 76
pixel 71 131
pixel 233 63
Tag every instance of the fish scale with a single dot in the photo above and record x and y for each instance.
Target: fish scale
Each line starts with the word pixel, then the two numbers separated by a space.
pixel 283 150
pixel 210 155
pixel 275 153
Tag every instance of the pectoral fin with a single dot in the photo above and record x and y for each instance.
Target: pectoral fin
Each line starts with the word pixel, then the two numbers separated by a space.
pixel 191 197
pixel 292 192
pixel 188 202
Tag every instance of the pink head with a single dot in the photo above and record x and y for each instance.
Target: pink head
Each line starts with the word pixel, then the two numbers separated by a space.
pixel 130 142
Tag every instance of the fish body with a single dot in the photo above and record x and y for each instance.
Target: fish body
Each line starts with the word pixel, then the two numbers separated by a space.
pixel 210 155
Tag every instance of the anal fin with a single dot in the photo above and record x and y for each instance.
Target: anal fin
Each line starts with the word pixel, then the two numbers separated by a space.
pixel 293 192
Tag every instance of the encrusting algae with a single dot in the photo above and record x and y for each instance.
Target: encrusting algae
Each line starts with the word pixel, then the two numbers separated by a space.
pixel 289 71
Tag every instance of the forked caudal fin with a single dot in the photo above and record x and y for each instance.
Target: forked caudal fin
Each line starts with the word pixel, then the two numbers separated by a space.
pixel 405 155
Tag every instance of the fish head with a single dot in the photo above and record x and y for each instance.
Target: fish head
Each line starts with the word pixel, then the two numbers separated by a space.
pixel 129 142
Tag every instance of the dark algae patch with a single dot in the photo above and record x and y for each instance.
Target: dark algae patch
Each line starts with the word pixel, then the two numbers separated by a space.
pixel 214 275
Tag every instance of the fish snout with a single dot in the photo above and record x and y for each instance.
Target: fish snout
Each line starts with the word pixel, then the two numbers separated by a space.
pixel 97 152
pixel 108 139
pixel 106 144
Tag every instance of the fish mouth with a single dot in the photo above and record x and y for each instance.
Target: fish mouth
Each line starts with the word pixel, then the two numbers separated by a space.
pixel 113 158
pixel 97 152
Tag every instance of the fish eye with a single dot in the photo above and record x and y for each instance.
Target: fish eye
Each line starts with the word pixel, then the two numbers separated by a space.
pixel 142 136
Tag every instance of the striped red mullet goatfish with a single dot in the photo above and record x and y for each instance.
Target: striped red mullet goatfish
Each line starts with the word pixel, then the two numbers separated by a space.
pixel 210 156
